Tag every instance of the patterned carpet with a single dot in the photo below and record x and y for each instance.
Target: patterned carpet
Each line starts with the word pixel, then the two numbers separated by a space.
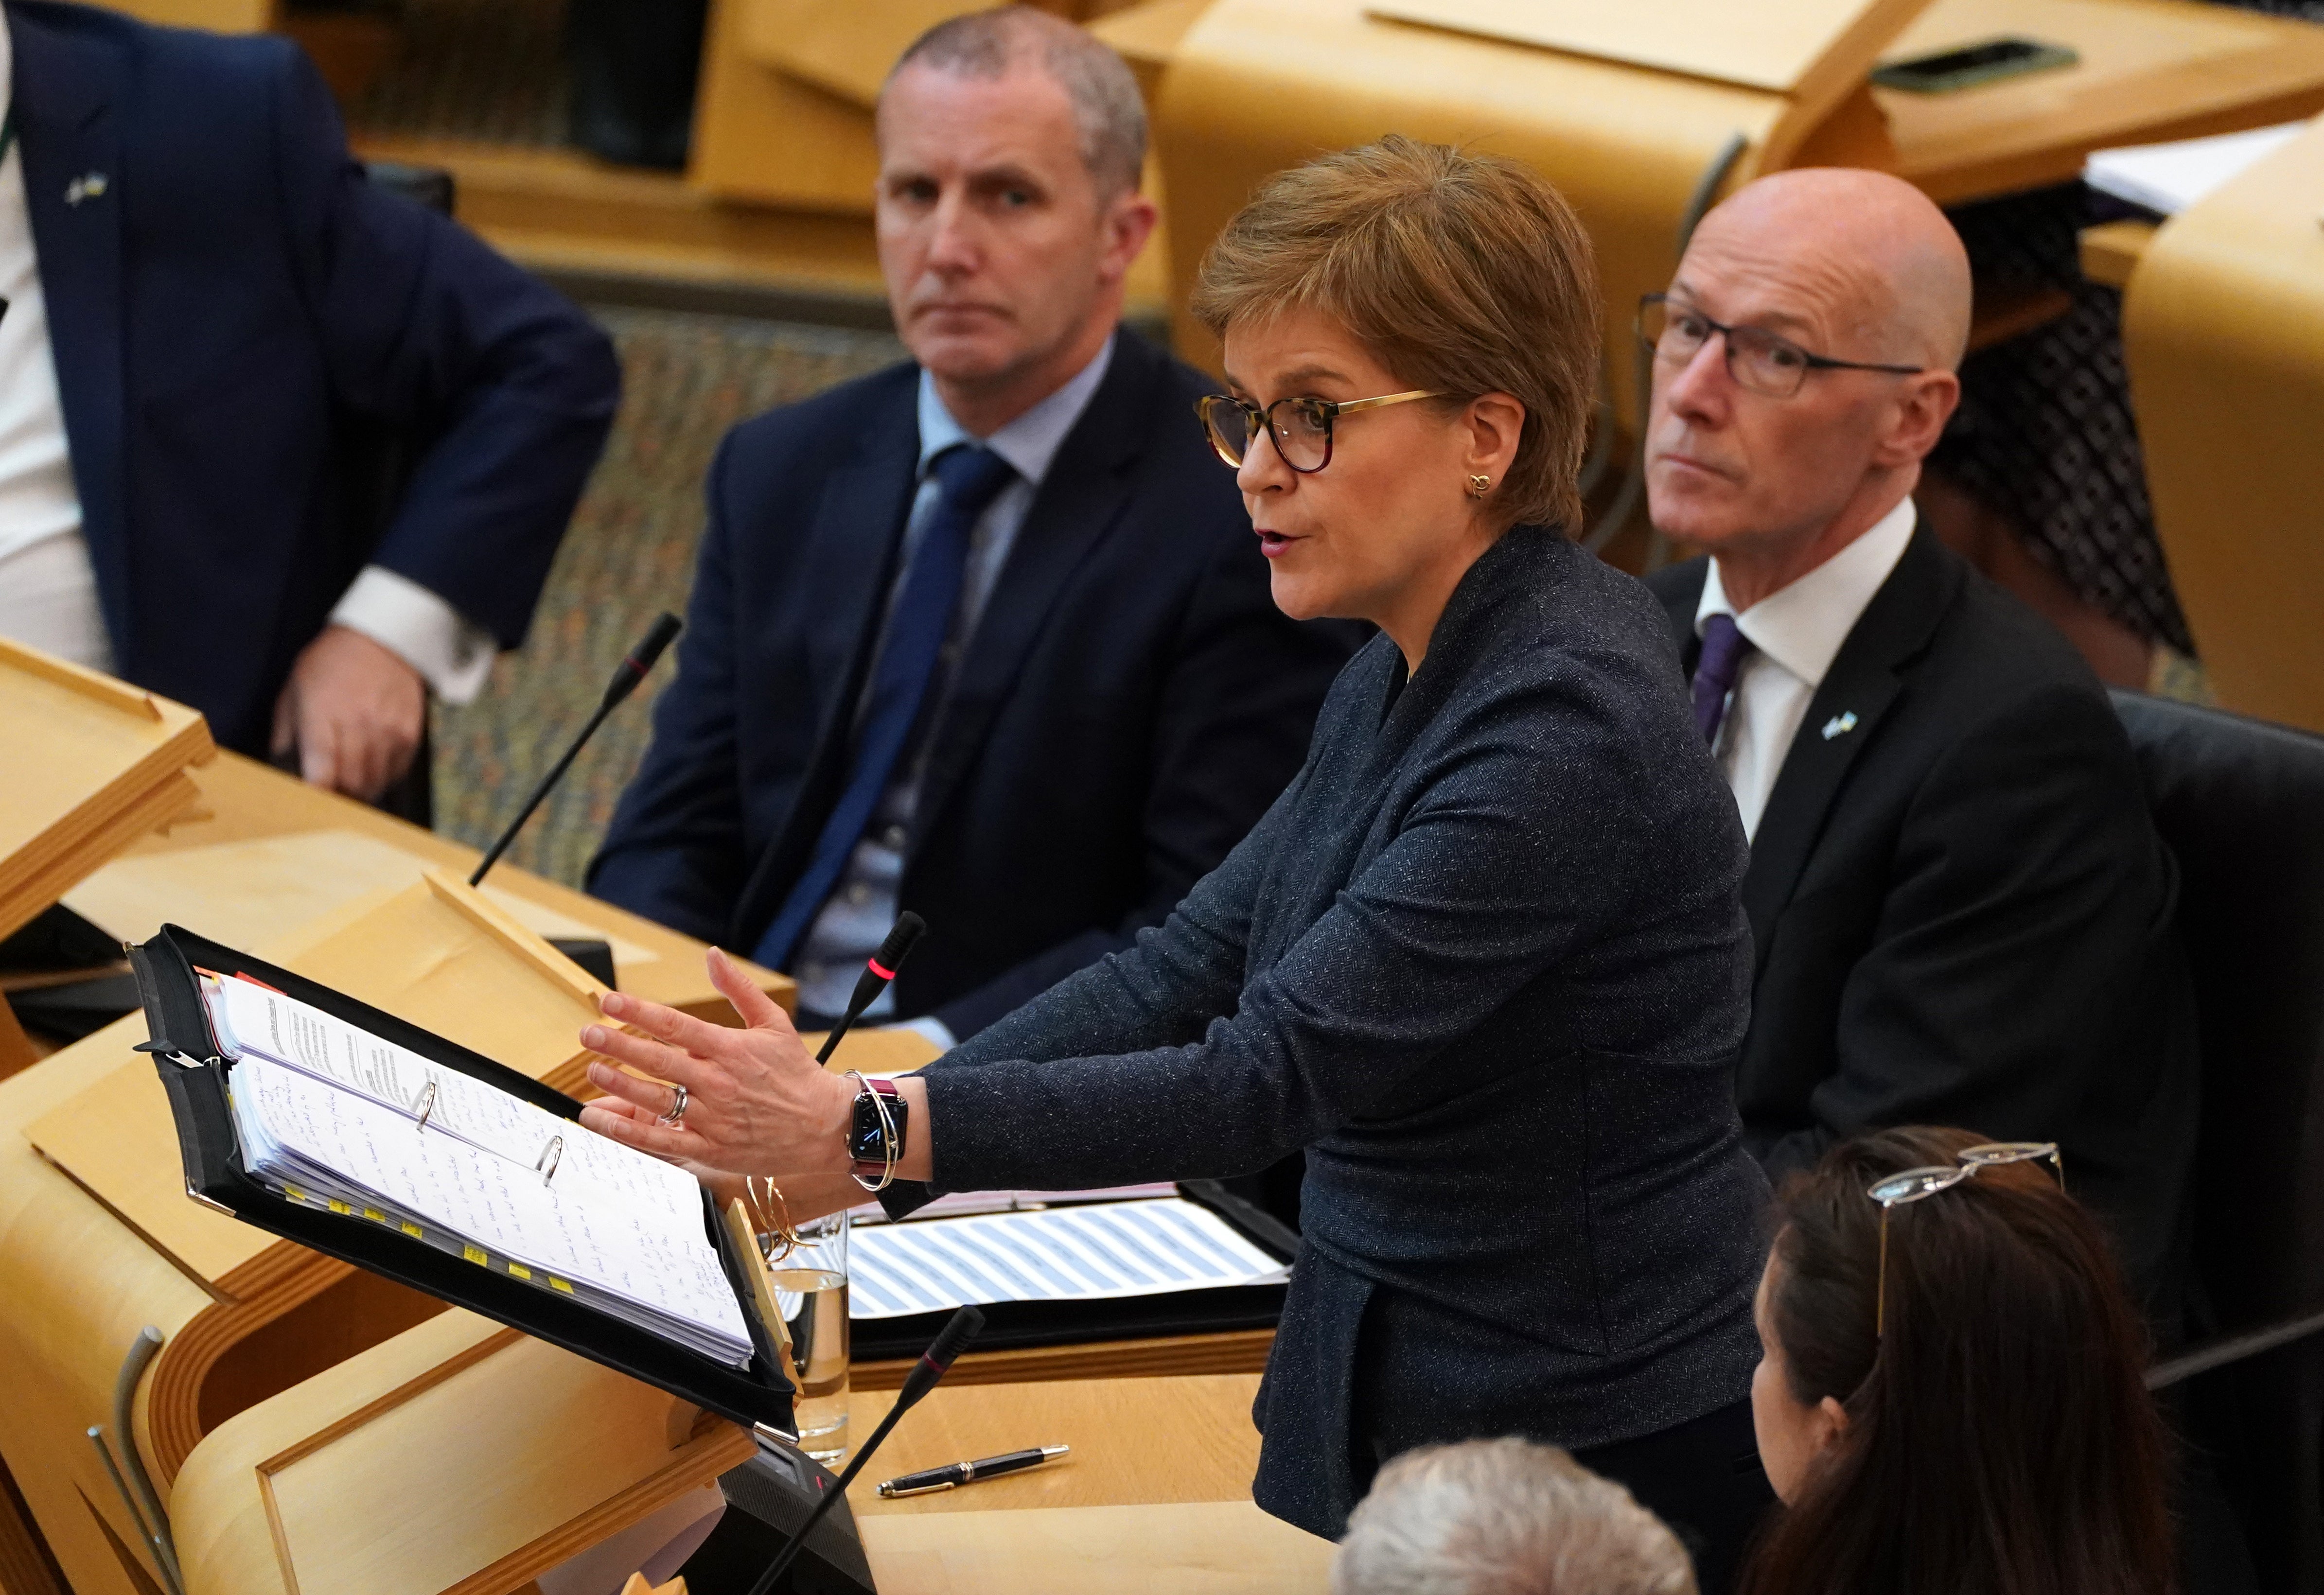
pixel 488 70
pixel 688 378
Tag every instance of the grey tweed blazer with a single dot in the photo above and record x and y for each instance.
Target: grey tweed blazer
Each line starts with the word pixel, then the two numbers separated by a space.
pixel 1485 961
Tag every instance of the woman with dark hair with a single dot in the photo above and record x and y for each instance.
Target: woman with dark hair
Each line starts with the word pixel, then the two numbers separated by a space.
pixel 1951 1398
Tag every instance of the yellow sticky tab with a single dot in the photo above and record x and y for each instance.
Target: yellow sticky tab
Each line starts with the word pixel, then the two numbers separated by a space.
pixel 294 1192
pixel 339 1206
pixel 413 1230
pixel 557 1284
pixel 375 1215
pixel 475 1254
pixel 519 1271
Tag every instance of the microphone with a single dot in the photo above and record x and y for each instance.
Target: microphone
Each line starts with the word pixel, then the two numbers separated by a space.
pixel 950 1342
pixel 879 969
pixel 632 670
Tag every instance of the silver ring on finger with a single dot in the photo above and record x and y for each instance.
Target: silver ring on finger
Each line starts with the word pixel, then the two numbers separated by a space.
pixel 676 1117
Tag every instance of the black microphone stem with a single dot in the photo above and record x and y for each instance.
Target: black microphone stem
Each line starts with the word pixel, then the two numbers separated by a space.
pixel 540 792
pixel 633 668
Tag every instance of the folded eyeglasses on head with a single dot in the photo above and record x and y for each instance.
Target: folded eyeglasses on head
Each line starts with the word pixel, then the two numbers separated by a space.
pixel 1908 1185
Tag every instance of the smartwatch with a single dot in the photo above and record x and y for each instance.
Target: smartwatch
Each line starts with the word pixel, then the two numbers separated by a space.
pixel 875 1139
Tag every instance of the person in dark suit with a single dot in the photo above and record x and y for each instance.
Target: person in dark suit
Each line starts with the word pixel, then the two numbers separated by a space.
pixel 1483 960
pixel 218 332
pixel 985 636
pixel 1960 910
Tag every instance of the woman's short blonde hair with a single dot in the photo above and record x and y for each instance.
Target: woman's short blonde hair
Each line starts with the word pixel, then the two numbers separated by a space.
pixel 1462 272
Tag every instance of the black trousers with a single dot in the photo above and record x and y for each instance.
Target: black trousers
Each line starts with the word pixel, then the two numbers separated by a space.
pixel 1703 1479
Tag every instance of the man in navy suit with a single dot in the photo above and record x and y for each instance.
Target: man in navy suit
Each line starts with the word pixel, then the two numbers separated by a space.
pixel 987 636
pixel 222 342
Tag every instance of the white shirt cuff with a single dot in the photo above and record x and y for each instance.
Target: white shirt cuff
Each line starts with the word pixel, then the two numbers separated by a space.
pixel 931 1027
pixel 451 652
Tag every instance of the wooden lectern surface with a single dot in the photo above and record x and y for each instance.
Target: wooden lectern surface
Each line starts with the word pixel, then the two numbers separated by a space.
pixel 2223 326
pixel 2150 70
pixel 93 764
pixel 243 801
pixel 461 1457
pixel 458 1457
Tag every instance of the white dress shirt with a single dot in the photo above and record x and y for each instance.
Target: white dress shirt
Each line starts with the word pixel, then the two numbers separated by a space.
pixel 48 586
pixel 1794 633
pixel 863 907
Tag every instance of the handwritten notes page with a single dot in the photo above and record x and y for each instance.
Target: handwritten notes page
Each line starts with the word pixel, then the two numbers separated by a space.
pixel 486 1175
pixel 1062 1254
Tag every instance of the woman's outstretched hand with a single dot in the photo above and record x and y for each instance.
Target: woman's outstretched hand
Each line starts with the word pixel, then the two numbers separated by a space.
pixel 756 1101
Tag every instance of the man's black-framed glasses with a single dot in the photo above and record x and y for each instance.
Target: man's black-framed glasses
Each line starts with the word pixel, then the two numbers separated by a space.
pixel 1302 426
pixel 1758 360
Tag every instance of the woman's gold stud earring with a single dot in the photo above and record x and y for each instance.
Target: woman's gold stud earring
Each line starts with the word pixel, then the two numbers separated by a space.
pixel 1479 487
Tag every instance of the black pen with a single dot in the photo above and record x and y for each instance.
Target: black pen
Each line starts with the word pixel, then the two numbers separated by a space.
pixel 955 1474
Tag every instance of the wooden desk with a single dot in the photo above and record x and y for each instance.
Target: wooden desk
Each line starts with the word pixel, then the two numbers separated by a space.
pixel 247 802
pixel 457 1458
pixel 1254 86
pixel 80 1279
pixel 2223 327
pixel 2110 252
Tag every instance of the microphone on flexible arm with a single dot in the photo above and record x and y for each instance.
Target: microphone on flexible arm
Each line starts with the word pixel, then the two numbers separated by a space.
pixel 950 1342
pixel 879 969
pixel 632 670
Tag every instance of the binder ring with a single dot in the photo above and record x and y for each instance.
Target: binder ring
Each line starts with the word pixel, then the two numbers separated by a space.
pixel 426 1104
pixel 676 1117
pixel 551 1155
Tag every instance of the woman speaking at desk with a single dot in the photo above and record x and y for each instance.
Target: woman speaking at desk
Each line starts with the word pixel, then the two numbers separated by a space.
pixel 1483 960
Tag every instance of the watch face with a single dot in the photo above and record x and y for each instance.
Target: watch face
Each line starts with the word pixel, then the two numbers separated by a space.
pixel 865 1144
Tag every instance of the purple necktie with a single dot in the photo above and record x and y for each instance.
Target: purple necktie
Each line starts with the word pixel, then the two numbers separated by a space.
pixel 1723 648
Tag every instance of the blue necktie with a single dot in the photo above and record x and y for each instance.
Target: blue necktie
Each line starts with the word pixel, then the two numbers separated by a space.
pixel 1723 648
pixel 968 479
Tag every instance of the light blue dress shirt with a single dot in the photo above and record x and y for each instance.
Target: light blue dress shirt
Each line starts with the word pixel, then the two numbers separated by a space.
pixel 863 907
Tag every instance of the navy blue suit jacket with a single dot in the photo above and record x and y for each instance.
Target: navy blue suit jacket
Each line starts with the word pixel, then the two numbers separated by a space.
pixel 243 325
pixel 1130 701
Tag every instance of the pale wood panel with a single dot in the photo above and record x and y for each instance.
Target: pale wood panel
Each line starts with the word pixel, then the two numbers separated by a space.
pixel 843 47
pixel 93 763
pixel 457 1456
pixel 764 136
pixel 219 16
pixel 1212 1548
pixel 1234 1352
pixel 243 800
pixel 2111 251
pixel 1134 1440
pixel 78 1286
pixel 246 893
pixel 2150 70
pixel 2223 326
pixel 1813 52
pixel 16 1049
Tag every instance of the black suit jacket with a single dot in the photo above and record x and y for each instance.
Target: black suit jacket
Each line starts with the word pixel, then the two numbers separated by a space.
pixel 245 328
pixel 1129 702
pixel 1484 961
pixel 1962 914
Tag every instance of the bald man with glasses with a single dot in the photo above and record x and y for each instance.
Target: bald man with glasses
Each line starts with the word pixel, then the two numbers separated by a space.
pixel 1961 910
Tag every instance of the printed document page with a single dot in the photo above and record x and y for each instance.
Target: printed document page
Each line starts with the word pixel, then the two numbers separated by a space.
pixel 1060 1254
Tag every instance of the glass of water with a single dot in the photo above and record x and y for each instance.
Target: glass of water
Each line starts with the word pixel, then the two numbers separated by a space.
pixel 811 1293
